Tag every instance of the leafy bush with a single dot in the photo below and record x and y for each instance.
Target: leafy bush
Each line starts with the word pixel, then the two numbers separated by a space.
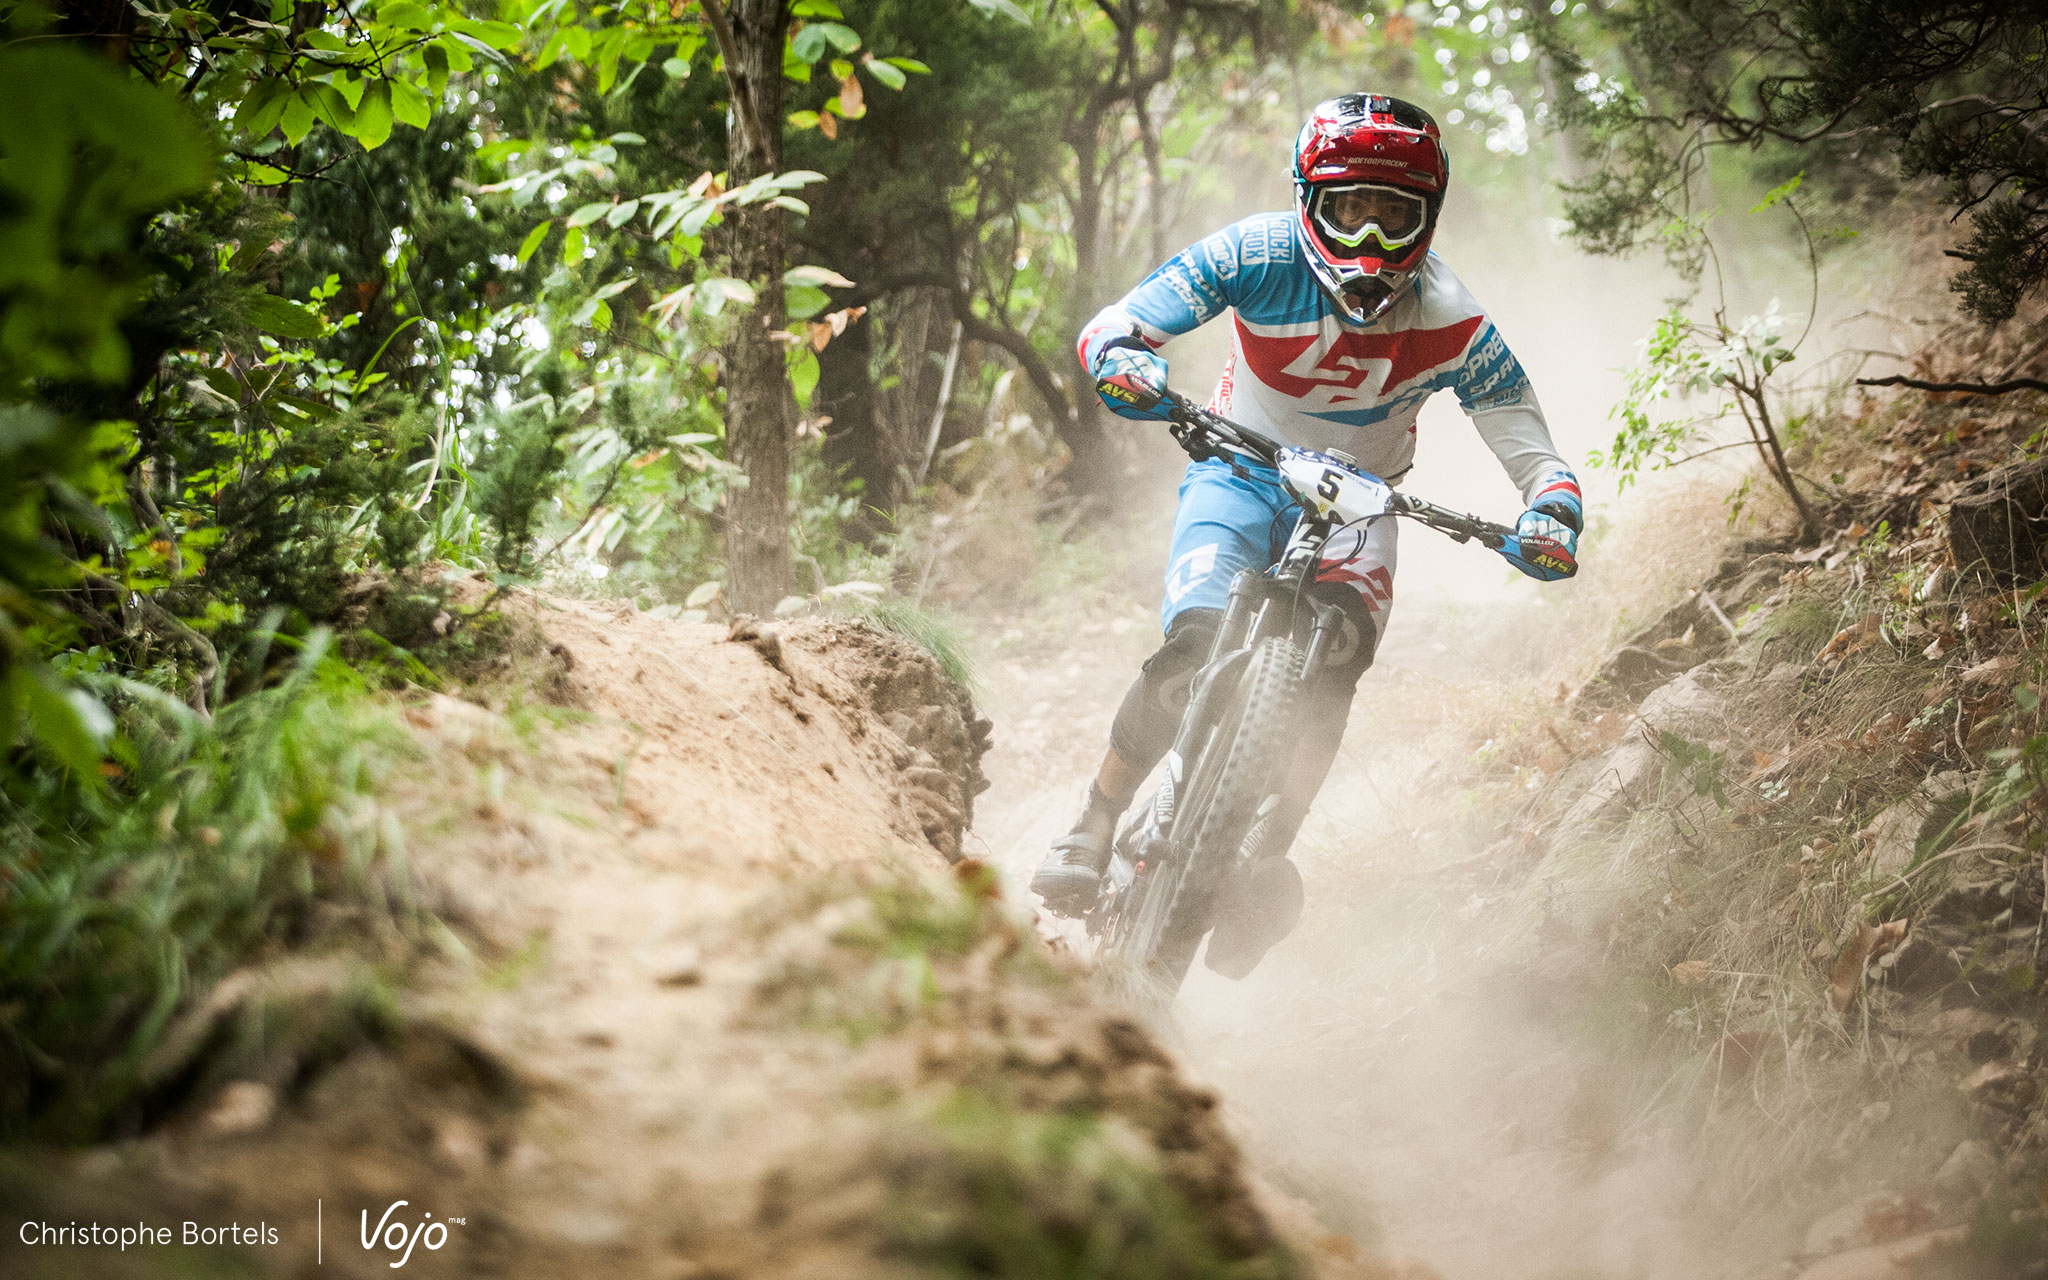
pixel 207 842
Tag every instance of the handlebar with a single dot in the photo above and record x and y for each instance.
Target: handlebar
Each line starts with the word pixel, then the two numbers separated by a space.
pixel 1206 435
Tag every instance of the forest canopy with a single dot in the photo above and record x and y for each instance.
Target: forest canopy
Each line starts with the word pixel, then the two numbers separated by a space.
pixel 305 305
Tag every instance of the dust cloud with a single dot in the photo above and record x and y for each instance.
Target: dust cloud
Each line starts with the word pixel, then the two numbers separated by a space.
pixel 1405 1063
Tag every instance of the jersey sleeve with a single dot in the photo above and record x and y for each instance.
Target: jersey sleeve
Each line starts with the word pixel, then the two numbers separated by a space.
pixel 1194 287
pixel 1496 395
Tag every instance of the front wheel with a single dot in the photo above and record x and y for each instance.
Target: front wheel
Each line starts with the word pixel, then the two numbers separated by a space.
pixel 1237 766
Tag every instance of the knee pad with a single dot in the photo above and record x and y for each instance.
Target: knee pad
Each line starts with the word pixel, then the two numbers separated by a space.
pixel 1152 708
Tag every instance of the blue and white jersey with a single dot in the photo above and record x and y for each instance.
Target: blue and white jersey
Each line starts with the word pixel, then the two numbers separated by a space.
pixel 1302 374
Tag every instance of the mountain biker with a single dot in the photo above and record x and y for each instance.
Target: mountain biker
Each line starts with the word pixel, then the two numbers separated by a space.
pixel 1345 323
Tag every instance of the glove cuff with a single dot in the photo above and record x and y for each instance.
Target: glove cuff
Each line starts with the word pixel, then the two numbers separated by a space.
pixel 1559 499
pixel 1123 342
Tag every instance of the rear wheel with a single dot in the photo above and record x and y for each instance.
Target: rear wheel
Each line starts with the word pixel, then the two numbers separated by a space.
pixel 1237 767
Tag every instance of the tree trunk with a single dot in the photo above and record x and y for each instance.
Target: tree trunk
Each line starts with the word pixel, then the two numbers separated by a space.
pixel 1097 462
pixel 856 438
pixel 759 434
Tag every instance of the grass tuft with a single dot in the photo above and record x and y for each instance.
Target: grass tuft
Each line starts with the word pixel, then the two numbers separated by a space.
pixel 1018 1195
pixel 209 843
pixel 945 641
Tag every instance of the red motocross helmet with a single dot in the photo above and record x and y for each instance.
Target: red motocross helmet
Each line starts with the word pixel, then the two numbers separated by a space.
pixel 1369 180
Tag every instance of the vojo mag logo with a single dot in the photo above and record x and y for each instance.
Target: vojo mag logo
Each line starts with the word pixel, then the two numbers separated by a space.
pixel 397 1235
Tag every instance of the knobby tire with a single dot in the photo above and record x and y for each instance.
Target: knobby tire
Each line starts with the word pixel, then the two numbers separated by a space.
pixel 1236 773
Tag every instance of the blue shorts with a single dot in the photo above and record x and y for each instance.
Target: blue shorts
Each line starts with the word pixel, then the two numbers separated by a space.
pixel 1226 523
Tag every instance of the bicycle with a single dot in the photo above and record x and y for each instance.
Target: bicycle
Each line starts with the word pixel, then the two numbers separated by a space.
pixel 1223 775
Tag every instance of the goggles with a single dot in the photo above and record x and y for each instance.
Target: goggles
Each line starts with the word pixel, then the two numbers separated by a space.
pixel 1348 214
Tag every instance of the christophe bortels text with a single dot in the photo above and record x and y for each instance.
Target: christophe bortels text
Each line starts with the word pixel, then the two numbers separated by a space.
pixel 141 1233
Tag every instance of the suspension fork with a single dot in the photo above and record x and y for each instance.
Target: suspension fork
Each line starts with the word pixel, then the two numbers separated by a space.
pixel 1237 614
pixel 1328 624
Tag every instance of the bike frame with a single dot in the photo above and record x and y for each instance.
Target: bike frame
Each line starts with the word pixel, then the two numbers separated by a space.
pixel 1249 612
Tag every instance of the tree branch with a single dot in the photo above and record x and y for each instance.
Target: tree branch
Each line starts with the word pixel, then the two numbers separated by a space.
pixel 1972 388
pixel 162 618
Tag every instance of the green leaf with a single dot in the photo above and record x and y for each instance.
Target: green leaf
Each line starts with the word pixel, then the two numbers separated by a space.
pixel 588 214
pixel 815 277
pixel 69 724
pixel 409 104
pixel 373 117
pixel 531 245
pixel 495 35
pixel 843 38
pixel 892 77
pixel 281 317
pixel 350 86
pixel 1004 7
pixel 803 119
pixel 815 9
pixel 259 111
pixel 256 174
pixel 577 41
pixel 676 69
pixel 622 213
pixel 454 49
pixel 695 220
pixel 627 140
pixel 330 108
pixel 715 293
pixel 809 44
pixel 1779 192
pixel 549 51
pixel 911 65
pixel 297 117
pixel 801 302
pixel 436 57
pixel 405 15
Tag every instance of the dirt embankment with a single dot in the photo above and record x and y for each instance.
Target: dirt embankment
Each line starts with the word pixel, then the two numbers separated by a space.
pixel 696 993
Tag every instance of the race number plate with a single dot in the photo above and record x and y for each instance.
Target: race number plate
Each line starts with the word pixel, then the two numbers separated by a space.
pixel 1333 488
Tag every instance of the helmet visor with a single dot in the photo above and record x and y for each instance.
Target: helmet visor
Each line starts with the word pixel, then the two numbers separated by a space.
pixel 1354 213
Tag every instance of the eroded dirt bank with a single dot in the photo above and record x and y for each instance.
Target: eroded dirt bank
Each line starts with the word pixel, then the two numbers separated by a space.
pixel 703 992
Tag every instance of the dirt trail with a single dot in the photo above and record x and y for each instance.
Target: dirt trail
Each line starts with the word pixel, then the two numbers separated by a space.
pixel 707 1002
pixel 1389 1064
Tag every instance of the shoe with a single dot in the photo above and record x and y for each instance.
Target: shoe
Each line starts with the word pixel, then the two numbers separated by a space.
pixel 1260 909
pixel 1071 878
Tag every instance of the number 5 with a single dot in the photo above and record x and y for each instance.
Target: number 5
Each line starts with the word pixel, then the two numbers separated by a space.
pixel 1326 489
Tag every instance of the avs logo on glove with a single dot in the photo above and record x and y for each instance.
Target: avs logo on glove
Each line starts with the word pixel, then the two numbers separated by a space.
pixel 1546 553
pixel 1123 387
